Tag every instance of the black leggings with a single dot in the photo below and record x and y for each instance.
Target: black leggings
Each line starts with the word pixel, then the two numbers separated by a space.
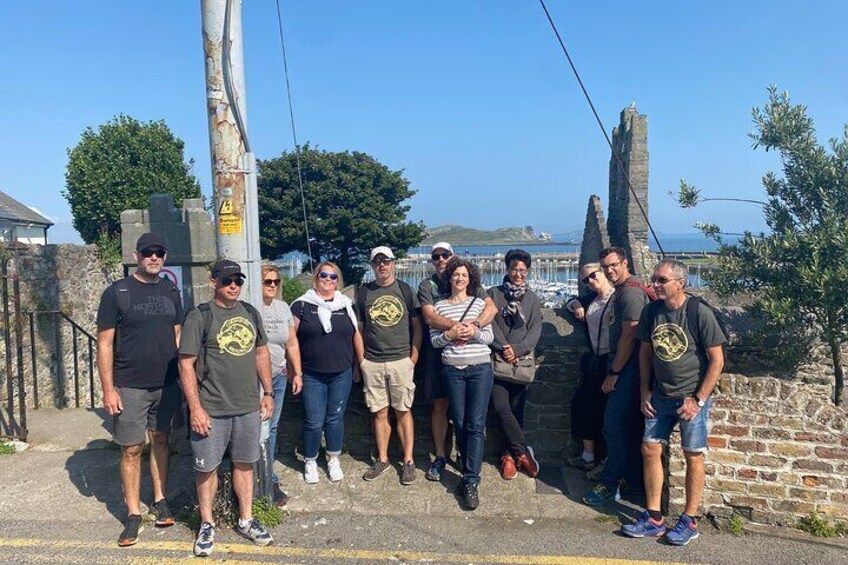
pixel 588 404
pixel 508 403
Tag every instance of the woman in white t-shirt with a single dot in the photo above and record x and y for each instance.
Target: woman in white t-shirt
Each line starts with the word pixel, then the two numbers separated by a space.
pixel 284 348
pixel 587 412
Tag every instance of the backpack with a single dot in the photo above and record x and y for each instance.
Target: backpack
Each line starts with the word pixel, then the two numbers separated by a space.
pixel 693 318
pixel 647 289
pixel 200 365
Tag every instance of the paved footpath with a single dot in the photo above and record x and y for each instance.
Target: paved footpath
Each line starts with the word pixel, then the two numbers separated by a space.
pixel 60 502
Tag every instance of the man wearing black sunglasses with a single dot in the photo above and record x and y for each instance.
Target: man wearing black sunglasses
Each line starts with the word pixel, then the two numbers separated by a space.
pixel 138 332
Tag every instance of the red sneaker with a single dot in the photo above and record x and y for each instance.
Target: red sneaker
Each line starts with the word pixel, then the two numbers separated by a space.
pixel 527 463
pixel 508 470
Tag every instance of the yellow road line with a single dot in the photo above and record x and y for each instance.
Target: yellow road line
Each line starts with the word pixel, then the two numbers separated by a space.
pixel 224 549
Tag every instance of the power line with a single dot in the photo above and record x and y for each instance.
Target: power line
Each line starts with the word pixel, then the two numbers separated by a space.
pixel 601 125
pixel 294 136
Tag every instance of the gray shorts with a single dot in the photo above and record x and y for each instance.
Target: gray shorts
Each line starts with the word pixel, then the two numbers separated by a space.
pixel 239 433
pixel 145 409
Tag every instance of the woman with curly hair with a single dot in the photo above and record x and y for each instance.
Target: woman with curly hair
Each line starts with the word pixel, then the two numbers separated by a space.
pixel 466 369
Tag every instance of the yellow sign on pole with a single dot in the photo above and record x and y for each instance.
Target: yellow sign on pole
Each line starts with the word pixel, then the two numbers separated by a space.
pixel 226 207
pixel 229 224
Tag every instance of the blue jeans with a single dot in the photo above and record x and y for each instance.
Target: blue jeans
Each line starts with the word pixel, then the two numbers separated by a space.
pixel 324 398
pixel 279 386
pixel 623 430
pixel 693 433
pixel 468 393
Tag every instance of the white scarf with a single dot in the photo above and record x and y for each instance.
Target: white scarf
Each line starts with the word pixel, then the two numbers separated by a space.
pixel 327 307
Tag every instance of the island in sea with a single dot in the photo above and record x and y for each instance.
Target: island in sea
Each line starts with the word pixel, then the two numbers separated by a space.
pixel 459 235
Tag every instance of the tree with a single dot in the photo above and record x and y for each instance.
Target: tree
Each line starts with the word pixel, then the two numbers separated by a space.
pixel 353 203
pixel 118 167
pixel 798 273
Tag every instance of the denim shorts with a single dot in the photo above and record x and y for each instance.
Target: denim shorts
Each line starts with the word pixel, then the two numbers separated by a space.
pixel 693 433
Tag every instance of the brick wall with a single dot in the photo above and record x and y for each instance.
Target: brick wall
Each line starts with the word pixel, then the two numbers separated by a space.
pixel 778 451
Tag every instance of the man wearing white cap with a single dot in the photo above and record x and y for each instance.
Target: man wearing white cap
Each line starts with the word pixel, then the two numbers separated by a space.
pixel 391 329
pixel 430 291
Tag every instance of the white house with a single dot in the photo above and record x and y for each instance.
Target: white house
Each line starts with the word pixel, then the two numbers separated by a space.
pixel 21 223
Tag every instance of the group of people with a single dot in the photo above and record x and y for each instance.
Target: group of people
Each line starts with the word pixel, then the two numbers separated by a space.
pixel 472 348
pixel 656 357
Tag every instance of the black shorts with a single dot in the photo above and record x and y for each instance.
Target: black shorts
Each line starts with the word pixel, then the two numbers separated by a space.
pixel 430 374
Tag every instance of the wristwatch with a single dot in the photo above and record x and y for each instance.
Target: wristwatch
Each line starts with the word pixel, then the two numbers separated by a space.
pixel 699 401
pixel 614 373
pixel 272 394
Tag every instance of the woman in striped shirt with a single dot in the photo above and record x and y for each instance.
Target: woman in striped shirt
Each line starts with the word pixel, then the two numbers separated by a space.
pixel 466 369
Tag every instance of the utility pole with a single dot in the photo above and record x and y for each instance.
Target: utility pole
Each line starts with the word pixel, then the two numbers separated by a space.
pixel 234 170
pixel 233 162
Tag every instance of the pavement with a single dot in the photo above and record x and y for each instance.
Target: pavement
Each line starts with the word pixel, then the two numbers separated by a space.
pixel 60 501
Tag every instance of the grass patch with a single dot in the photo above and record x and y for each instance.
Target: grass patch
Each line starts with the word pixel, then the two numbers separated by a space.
pixel 607 519
pixel 6 448
pixel 269 515
pixel 818 526
pixel 736 525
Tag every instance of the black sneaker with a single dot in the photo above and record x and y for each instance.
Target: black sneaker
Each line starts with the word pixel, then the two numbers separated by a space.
pixel 377 469
pixel 470 496
pixel 407 474
pixel 161 514
pixel 279 495
pixel 130 534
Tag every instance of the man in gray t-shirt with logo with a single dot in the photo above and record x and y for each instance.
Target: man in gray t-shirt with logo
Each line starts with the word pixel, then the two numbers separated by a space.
pixel 223 360
pixel 390 320
pixel 680 362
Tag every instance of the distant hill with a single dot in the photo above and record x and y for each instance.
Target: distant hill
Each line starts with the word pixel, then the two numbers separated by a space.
pixel 458 235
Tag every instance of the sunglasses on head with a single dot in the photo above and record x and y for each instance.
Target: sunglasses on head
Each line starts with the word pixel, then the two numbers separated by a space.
pixel 271 282
pixel 227 281
pixel 149 252
pixel 443 255
pixel 382 261
pixel 326 275
pixel 590 277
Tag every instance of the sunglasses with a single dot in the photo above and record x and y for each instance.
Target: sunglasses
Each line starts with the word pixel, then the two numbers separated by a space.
pixel 590 277
pixel 443 255
pixel 227 281
pixel 149 252
pixel 271 282
pixel 662 280
pixel 326 275
pixel 383 261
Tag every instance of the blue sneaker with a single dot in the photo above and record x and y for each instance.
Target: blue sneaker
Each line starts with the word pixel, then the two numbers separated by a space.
pixel 684 531
pixel 434 473
pixel 644 527
pixel 600 495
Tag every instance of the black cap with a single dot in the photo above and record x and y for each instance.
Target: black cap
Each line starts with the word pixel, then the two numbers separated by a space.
pixel 149 240
pixel 226 268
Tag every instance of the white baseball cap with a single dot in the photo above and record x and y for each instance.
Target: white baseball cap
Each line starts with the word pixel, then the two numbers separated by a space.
pixel 382 250
pixel 442 245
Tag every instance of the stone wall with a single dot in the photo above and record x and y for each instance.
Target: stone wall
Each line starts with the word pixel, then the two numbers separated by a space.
pixel 778 451
pixel 595 238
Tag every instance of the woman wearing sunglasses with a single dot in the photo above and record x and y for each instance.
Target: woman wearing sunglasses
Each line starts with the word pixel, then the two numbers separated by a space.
pixel 330 344
pixel 587 407
pixel 283 346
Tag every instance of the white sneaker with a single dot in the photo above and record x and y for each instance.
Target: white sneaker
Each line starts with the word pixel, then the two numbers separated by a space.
pixel 310 472
pixel 334 468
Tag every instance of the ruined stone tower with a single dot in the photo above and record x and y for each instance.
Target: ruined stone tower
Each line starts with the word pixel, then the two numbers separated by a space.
pixel 626 225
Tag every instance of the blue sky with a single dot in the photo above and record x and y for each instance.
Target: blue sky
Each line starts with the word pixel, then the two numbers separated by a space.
pixel 472 99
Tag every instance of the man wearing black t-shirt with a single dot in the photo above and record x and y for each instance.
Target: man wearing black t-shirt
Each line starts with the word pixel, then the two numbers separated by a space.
pixel 138 331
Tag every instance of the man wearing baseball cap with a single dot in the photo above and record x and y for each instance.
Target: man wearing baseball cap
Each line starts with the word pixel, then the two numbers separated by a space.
pixel 391 329
pixel 223 360
pixel 430 291
pixel 138 332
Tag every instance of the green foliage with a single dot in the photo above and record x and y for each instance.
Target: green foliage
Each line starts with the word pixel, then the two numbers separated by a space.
pixel 353 204
pixel 736 525
pixel 291 289
pixel 459 235
pixel 118 167
pixel 796 273
pixel 819 526
pixel 6 448
pixel 108 249
pixel 606 519
pixel 269 515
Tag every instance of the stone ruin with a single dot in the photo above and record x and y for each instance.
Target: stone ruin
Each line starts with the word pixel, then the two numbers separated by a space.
pixel 627 226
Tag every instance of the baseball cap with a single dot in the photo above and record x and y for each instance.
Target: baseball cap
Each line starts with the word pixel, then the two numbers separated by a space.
pixel 226 268
pixel 149 240
pixel 382 250
pixel 442 245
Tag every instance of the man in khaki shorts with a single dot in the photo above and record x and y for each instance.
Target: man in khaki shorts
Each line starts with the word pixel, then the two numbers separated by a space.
pixel 391 328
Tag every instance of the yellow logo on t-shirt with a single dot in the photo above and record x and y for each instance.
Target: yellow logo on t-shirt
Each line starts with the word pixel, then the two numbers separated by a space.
pixel 670 342
pixel 237 336
pixel 386 311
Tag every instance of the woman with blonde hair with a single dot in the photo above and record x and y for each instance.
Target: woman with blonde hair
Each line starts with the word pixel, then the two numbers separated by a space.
pixel 330 345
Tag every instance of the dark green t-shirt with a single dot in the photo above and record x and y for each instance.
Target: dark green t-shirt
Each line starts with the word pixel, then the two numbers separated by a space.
pixel 231 385
pixel 385 313
pixel 678 368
